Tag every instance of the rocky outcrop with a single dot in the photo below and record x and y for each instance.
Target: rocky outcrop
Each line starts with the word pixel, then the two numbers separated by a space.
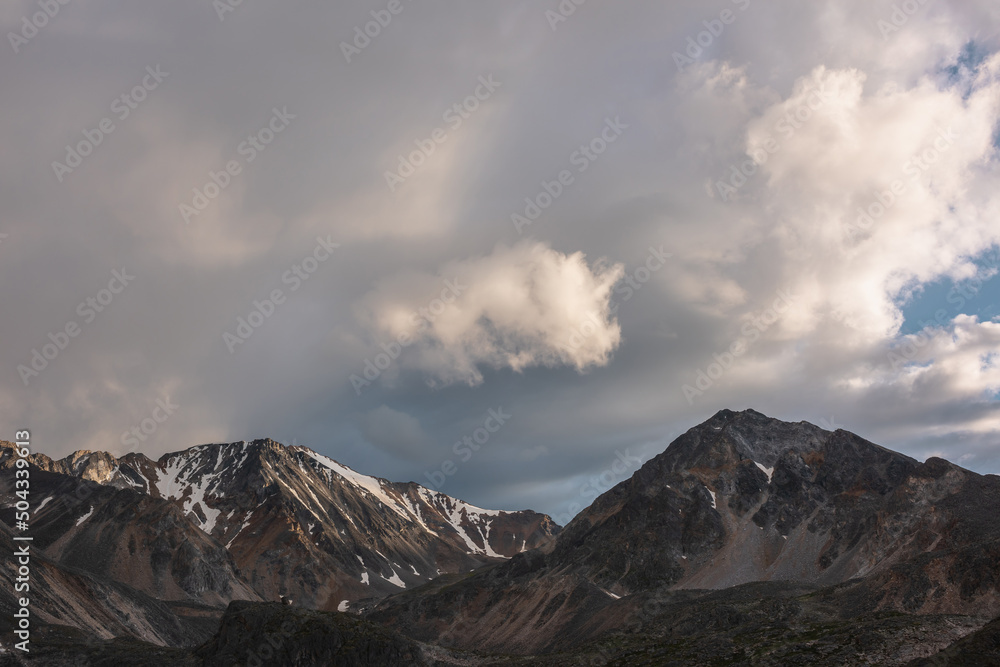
pixel 273 634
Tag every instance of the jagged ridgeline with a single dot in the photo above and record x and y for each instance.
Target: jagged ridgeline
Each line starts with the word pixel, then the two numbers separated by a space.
pixel 241 521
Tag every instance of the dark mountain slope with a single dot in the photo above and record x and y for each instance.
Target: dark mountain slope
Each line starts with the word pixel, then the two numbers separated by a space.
pixel 737 499
pixel 101 608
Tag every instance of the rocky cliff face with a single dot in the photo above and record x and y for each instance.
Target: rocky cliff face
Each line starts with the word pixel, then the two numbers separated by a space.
pixel 738 499
pixel 97 467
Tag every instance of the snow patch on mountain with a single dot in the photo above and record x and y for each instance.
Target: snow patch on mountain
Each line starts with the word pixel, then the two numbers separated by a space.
pixel 179 480
pixel 370 484
pixel 486 540
pixel 42 504
pixel 85 516
pixel 395 580
pixel 245 524
pixel 767 471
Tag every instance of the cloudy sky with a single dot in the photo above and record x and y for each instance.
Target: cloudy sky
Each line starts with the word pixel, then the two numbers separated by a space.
pixel 363 226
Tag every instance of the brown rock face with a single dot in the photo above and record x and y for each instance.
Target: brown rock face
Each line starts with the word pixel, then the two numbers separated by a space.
pixel 257 520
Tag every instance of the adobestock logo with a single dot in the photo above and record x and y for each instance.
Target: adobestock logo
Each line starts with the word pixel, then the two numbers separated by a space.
pixel 581 158
pixel 915 167
pixel 597 484
pixel 713 30
pixel 900 16
pixel 254 145
pixel 263 309
pixel 565 9
pixel 38 20
pixel 122 106
pixel 391 351
pixel 88 310
pixel 223 7
pixel 906 350
pixel 455 115
pixel 786 126
pixel 468 445
pixel 723 361
pixel 381 18
pixel 148 426
pixel 633 282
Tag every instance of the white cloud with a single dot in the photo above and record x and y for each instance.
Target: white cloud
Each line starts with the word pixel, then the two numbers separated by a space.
pixel 518 307
pixel 820 197
pixel 961 361
pixel 829 156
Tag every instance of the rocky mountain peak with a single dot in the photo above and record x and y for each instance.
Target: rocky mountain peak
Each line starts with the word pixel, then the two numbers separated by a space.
pixel 298 522
pixel 729 437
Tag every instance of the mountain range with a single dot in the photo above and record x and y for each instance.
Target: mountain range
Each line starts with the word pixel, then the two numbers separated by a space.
pixel 247 521
pixel 749 540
